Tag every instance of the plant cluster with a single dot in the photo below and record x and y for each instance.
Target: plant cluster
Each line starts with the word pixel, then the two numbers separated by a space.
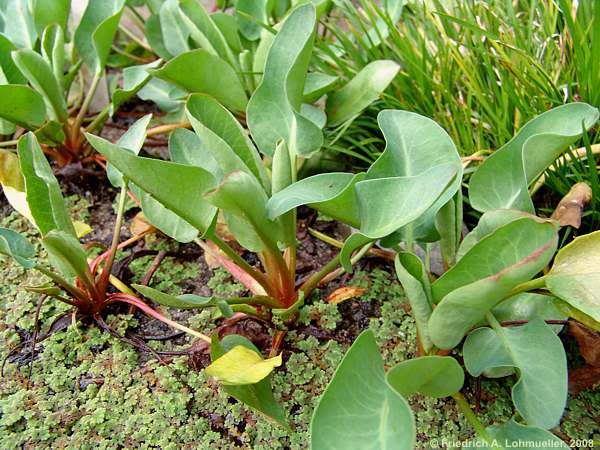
pixel 255 99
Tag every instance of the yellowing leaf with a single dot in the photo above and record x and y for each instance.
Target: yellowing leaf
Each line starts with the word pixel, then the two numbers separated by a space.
pixel 241 365
pixel 12 183
pixel 81 228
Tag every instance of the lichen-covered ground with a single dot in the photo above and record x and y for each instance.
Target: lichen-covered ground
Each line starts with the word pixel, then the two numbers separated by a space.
pixel 90 390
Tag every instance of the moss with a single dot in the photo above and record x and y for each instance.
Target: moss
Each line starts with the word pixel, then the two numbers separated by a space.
pixel 169 274
pixel 89 390
pixel 222 284
pixel 320 314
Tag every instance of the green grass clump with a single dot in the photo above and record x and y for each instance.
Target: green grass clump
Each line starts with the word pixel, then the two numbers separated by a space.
pixel 480 69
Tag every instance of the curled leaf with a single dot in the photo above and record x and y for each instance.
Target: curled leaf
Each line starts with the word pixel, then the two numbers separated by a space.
pixel 569 210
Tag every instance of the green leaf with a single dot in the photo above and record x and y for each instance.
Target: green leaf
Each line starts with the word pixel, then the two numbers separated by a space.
pixel 243 203
pixel 166 220
pixel 317 85
pixel 359 409
pixel 185 147
pixel 18 23
pixel 153 33
pixel 501 182
pixel 242 366
pixel 53 50
pixel 488 223
pixel 9 69
pixel 250 26
pixel 354 242
pixel 185 301
pixel 449 225
pixel 258 396
pixel 414 146
pixel 198 71
pixel 575 274
pixel 26 107
pixel 273 112
pixel 67 255
pixel 414 196
pixel 366 87
pixel 415 282
pixel 178 187
pixel 96 31
pixel 433 376
pixel 175 32
pixel 223 136
pixel 486 275
pixel 206 32
pixel 505 246
pixel 167 97
pixel 134 79
pixel 314 114
pixel 44 197
pixel 39 73
pixel 51 12
pixel 133 141
pixel 227 25
pixel 516 436
pixel 528 306
pixel 540 395
pixel 17 247
pixel 332 193
pixel 282 168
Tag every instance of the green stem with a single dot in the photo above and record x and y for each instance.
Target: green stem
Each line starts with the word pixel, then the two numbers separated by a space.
pixel 309 285
pixel 257 300
pixel 135 39
pixel 537 283
pixel 86 102
pixel 464 406
pixel 73 290
pixel 98 120
pixel 104 277
pixel 362 252
pixel 9 143
pixel 493 322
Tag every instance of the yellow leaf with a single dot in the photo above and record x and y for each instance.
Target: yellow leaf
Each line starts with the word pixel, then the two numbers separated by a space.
pixel 81 228
pixel 240 365
pixel 12 183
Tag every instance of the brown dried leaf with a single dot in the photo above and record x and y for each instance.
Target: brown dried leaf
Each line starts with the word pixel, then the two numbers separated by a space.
pixel 139 224
pixel 570 208
pixel 583 378
pixel 588 342
pixel 345 293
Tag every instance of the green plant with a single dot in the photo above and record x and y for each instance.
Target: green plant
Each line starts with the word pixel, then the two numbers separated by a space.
pixel 489 294
pixel 224 56
pixel 32 189
pixel 35 46
pixel 217 175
